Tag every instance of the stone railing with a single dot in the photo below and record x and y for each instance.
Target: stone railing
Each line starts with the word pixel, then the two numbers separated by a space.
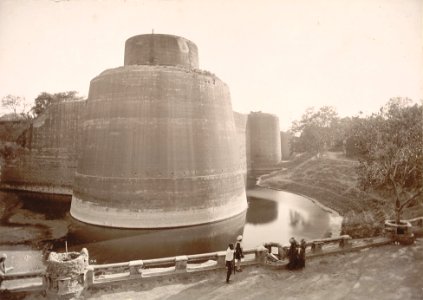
pixel 139 269
pixel 270 254
pixel 417 222
pixel 33 281
pixel 417 226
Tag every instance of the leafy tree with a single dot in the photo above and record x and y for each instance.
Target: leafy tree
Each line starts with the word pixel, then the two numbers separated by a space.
pixel 316 130
pixel 44 100
pixel 392 146
pixel 15 105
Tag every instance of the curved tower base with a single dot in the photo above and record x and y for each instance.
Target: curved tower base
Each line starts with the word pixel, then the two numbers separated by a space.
pixel 126 218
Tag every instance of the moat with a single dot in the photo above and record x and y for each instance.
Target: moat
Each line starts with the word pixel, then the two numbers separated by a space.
pixel 271 216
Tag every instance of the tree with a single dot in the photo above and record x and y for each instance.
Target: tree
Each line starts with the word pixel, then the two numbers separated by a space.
pixel 316 130
pixel 15 104
pixel 44 100
pixel 392 146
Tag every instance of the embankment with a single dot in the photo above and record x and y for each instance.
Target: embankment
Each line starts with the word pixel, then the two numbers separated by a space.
pixel 332 181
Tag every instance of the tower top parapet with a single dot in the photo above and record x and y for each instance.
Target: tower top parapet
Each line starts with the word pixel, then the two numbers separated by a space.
pixel 161 49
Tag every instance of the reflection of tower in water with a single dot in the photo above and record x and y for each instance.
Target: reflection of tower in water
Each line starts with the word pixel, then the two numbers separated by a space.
pixel 108 245
pixel 261 211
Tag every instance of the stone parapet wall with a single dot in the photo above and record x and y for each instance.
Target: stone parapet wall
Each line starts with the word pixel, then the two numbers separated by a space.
pixel 161 49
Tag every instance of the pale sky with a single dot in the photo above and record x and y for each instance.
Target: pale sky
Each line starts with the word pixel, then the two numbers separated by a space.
pixel 277 56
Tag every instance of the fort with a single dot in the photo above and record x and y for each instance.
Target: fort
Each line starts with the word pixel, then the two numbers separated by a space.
pixel 155 145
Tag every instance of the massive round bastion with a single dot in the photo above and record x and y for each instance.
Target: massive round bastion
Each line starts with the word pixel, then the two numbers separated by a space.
pixel 159 143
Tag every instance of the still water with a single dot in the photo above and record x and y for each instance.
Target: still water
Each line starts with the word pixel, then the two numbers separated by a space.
pixel 272 216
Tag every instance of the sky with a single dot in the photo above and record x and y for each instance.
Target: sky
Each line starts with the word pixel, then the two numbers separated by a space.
pixel 277 56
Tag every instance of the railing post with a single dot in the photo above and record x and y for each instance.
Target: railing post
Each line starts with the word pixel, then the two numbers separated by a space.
pixel 281 252
pixel 261 253
pixel 181 263
pixel 316 247
pixel 135 266
pixel 221 259
pixel 345 242
pixel 89 276
pixel 46 282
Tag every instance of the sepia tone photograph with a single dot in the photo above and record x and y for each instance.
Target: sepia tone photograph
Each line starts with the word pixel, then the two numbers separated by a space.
pixel 238 149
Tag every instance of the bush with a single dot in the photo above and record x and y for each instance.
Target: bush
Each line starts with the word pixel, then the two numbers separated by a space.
pixel 361 225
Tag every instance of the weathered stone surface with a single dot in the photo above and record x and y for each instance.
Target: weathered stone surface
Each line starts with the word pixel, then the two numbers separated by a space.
pixel 265 147
pixel 242 139
pixel 160 148
pixel 49 161
pixel 65 274
pixel 157 143
pixel 286 145
pixel 161 49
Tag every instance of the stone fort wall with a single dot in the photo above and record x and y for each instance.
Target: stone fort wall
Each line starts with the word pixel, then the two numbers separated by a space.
pixel 155 145
pixel 53 144
pixel 49 160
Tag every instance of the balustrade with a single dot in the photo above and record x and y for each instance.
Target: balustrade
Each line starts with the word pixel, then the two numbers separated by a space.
pixel 168 266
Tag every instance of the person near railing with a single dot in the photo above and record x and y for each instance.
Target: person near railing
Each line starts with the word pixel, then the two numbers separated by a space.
pixel 229 259
pixel 293 254
pixel 238 253
pixel 302 255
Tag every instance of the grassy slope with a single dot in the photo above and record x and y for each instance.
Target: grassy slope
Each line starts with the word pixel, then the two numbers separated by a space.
pixel 332 181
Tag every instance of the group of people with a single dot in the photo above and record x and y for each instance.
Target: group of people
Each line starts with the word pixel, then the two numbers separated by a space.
pixel 296 254
pixel 234 254
pixel 233 257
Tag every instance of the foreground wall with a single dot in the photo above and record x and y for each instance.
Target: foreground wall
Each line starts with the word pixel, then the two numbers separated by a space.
pixel 159 146
pixel 48 162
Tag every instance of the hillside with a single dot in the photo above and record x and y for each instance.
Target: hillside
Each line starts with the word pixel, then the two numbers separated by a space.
pixel 332 181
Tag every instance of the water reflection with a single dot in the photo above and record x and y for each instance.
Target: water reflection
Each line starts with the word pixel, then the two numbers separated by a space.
pixel 114 245
pixel 261 211
pixel 272 216
pixel 296 216
pixel 53 207
pixel 296 219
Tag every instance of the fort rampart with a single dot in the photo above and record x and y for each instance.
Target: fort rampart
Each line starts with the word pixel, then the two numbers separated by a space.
pixel 156 144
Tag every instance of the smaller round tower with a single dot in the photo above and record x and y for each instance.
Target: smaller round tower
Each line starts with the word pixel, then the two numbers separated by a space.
pixel 265 141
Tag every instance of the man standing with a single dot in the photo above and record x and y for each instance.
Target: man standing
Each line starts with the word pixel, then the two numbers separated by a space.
pixel 229 259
